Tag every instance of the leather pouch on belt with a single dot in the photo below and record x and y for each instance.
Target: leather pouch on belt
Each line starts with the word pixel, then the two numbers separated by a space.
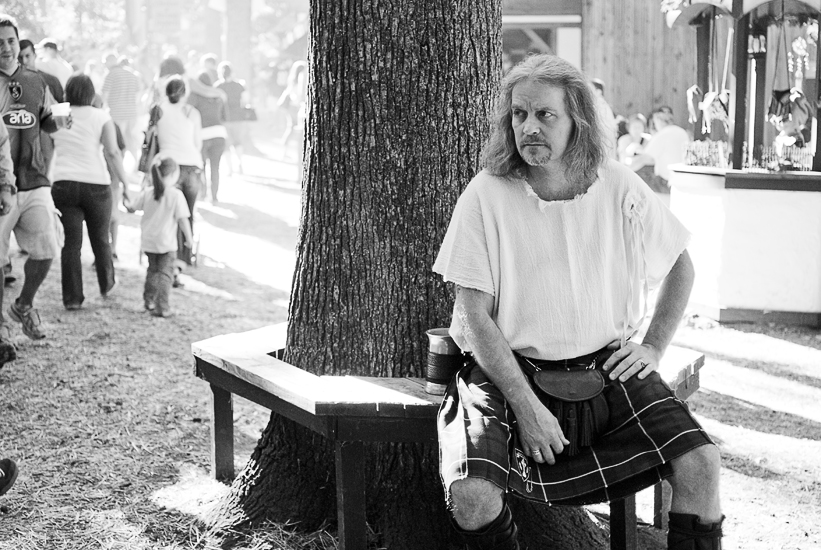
pixel 575 398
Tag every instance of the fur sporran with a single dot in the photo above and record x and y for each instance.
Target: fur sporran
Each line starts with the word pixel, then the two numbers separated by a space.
pixel 572 392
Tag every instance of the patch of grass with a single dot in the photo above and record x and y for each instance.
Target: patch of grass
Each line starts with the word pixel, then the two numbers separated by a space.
pixel 747 467
pixel 737 412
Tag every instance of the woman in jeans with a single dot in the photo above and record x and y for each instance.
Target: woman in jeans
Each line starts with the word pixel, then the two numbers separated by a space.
pixel 179 132
pixel 82 188
pixel 213 112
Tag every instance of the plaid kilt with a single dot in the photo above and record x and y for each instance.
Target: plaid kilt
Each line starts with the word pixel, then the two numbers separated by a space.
pixel 648 428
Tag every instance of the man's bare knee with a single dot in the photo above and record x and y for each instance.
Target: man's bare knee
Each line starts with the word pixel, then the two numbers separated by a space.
pixel 695 483
pixel 699 467
pixel 476 503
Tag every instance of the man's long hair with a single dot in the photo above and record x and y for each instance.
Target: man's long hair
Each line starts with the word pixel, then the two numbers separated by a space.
pixel 585 152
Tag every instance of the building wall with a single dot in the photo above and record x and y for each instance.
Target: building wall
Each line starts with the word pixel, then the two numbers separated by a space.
pixel 534 7
pixel 643 63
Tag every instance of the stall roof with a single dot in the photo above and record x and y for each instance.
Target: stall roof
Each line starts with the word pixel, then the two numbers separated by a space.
pixel 695 9
pixel 789 5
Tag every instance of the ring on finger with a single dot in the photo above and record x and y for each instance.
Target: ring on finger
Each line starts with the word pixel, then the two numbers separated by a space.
pixel 537 452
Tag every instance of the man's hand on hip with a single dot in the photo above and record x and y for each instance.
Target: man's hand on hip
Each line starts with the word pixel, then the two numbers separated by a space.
pixel 632 359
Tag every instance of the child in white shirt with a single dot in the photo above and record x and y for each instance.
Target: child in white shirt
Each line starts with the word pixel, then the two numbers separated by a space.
pixel 164 209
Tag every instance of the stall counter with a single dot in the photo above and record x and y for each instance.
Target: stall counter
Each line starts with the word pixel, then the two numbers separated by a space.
pixel 756 243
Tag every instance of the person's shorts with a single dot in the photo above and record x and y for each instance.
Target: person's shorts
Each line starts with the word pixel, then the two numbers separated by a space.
pixel 36 225
pixel 236 133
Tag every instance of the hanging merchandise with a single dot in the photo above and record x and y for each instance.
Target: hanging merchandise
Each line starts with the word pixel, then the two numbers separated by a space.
pixel 715 105
pixel 779 108
pixel 790 111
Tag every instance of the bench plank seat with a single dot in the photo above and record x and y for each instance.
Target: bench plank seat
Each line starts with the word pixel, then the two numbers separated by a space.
pixel 350 410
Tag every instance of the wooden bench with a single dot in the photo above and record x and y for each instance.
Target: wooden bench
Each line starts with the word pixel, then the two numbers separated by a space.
pixel 353 410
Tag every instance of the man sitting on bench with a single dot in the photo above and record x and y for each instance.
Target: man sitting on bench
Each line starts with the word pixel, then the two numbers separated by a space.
pixel 553 249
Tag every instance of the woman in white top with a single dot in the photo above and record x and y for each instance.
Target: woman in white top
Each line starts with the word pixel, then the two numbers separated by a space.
pixel 179 130
pixel 82 188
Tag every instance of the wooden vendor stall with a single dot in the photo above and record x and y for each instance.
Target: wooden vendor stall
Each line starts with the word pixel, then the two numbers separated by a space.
pixel 750 191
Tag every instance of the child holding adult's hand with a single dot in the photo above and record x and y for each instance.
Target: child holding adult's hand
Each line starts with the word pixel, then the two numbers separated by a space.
pixel 164 210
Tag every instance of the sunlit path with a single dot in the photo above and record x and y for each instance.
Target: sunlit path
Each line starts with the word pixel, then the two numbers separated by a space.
pixel 737 345
pixel 772 392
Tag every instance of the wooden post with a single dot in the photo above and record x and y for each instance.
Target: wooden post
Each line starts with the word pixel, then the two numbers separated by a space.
pixel 222 434
pixel 740 66
pixel 816 161
pixel 760 77
pixel 350 495
pixel 702 70
pixel 662 495
pixel 623 534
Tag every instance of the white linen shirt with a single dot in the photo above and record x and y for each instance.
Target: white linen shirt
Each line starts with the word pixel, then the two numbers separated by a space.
pixel 567 277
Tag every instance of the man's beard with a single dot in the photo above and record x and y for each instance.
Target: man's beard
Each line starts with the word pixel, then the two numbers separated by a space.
pixel 541 159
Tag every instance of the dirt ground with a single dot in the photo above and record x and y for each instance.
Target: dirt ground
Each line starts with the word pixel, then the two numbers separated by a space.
pixel 110 427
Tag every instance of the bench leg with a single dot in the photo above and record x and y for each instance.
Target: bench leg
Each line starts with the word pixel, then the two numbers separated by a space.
pixel 623 534
pixel 222 434
pixel 350 495
pixel 662 495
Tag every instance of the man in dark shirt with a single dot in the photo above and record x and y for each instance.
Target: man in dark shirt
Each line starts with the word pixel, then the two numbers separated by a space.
pixel 27 59
pixel 25 103
pixel 235 122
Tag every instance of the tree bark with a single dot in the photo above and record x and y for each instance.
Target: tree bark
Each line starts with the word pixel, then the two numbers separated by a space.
pixel 399 98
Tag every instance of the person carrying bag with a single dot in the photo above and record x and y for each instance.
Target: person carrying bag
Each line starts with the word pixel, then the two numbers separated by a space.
pixel 151 143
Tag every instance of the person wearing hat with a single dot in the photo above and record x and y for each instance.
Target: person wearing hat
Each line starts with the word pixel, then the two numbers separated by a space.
pixel 51 61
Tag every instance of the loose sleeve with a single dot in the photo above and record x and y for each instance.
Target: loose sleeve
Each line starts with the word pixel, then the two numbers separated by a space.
pixel 665 237
pixel 464 256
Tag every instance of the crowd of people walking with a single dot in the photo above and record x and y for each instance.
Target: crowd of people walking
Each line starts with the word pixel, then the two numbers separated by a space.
pixel 65 136
pixel 70 144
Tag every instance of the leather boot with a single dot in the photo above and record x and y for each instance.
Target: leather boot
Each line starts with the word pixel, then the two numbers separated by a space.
pixel 499 535
pixel 686 532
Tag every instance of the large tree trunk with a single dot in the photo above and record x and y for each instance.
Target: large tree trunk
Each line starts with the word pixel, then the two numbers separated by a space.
pixel 400 94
